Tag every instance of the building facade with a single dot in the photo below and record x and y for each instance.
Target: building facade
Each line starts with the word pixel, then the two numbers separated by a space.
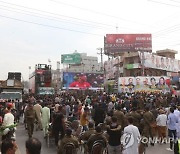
pixel 88 64
pixel 134 64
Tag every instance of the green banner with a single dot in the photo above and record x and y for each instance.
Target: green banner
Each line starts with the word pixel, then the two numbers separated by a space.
pixel 129 66
pixel 71 58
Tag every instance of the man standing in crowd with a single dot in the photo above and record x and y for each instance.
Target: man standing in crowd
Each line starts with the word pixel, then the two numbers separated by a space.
pixel 9 146
pixel 177 114
pixel 68 110
pixel 68 139
pixel 98 136
pixel 33 146
pixel 18 107
pixel 114 132
pixel 38 108
pixel 30 117
pixel 8 120
pixel 136 117
pixel 85 136
pixel 84 119
pixel 99 115
pixel 171 124
pixel 134 135
pixel 58 124
pixel 148 121
pixel 161 124
pixel 120 117
pixel 57 100
pixel 45 118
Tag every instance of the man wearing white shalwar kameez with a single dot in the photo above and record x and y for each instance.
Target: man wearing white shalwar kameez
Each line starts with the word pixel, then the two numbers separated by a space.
pixel 177 114
pixel 45 119
pixel 132 131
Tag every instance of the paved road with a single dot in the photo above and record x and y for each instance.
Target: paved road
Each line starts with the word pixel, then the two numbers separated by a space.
pixel 21 136
pixel 158 149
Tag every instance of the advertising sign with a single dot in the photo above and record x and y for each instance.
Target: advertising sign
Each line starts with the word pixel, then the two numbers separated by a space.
pixel 73 80
pixel 148 84
pixel 159 62
pixel 46 91
pixel 132 66
pixel 127 42
pixel 71 58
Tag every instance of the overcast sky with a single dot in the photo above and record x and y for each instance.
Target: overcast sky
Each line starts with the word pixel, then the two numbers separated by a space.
pixel 33 31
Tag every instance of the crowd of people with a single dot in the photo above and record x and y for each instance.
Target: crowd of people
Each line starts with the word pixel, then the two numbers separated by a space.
pixel 116 123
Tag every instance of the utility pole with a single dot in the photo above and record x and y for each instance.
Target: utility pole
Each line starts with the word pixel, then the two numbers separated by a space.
pixel 143 61
pixel 29 77
pixel 58 77
pixel 101 53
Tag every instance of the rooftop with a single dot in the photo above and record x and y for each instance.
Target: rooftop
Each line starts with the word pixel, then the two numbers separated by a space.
pixel 167 51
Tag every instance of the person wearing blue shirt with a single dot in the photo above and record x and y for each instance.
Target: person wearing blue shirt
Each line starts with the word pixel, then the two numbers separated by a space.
pixel 171 124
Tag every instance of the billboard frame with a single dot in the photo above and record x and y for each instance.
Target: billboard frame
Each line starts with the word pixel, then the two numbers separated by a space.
pixel 119 43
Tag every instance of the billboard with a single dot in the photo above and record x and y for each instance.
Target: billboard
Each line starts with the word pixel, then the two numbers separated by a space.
pixel 127 42
pixel 74 58
pixel 73 80
pixel 159 62
pixel 148 84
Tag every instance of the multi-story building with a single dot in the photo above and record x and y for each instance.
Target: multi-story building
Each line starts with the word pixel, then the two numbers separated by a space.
pixel 81 72
pixel 134 64
pixel 88 64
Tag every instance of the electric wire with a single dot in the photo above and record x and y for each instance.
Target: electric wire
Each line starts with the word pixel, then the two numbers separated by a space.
pixel 100 13
pixel 51 18
pixel 75 18
pixel 158 2
pixel 35 23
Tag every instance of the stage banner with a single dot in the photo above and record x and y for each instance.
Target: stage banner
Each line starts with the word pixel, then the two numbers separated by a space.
pixel 74 80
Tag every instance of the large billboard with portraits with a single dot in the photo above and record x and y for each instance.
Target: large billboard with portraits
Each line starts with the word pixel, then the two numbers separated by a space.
pixel 144 84
pixel 74 80
pixel 127 42
pixel 159 62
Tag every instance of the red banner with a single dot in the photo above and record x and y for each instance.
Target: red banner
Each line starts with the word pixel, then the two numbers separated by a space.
pixel 127 42
pixel 39 71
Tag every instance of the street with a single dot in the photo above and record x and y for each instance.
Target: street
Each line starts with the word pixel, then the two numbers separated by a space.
pixel 22 136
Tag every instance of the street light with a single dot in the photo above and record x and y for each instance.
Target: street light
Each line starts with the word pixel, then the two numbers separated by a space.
pixel 49 60
pixel 29 76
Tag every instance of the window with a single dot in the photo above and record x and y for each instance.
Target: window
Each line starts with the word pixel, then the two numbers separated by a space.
pixel 131 60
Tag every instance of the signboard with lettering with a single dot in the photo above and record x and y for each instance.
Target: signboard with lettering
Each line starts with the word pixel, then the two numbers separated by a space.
pixel 74 58
pixel 127 42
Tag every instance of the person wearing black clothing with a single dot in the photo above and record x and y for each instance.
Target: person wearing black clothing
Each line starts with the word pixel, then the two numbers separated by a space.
pixel 18 107
pixel 58 125
pixel 114 132
pixel 134 102
pixel 99 115
pixel 9 146
pixel 97 137
pixel 33 146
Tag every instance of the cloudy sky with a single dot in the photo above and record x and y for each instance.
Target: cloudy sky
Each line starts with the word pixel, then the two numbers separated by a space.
pixel 33 31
